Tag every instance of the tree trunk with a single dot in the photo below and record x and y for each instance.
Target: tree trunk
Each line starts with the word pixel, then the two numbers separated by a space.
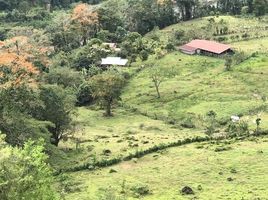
pixel 55 141
pixel 108 108
pixel 56 136
pixel 157 89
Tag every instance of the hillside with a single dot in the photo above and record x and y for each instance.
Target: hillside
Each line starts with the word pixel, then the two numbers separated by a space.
pixel 200 84
pixel 228 174
pixel 239 28
pixel 99 102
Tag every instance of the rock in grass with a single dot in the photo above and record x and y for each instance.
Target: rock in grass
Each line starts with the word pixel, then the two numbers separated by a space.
pixel 112 171
pixel 230 179
pixel 186 190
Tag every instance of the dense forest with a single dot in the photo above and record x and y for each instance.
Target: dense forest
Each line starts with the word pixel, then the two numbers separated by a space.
pixel 50 67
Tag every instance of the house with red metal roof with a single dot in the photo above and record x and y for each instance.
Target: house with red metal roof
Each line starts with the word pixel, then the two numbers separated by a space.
pixel 205 47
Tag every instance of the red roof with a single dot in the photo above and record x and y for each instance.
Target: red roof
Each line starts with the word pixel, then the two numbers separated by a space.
pixel 210 46
pixel 187 48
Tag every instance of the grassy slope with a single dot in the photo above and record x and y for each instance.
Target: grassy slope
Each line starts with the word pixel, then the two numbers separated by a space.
pixel 122 134
pixel 201 84
pixel 237 26
pixel 166 173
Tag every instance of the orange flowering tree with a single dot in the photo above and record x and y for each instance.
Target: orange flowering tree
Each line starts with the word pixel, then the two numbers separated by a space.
pixel 16 70
pixel 85 20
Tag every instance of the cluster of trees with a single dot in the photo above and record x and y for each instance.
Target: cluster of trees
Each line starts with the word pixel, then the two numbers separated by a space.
pixel 258 7
pixel 113 16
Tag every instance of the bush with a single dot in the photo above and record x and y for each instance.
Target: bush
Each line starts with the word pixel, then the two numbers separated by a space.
pixel 188 123
pixel 63 76
pixel 84 95
pixel 245 36
pixel 222 38
pixel 144 55
pixel 179 34
pixel 140 190
pixel 170 46
pixel 237 129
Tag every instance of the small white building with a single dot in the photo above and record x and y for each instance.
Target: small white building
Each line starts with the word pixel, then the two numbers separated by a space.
pixel 114 61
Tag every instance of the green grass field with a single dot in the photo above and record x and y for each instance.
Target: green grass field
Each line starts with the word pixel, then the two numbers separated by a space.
pixel 122 134
pixel 237 173
pixel 201 84
pixel 214 170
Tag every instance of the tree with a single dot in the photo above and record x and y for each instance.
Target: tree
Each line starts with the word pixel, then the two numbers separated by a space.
pixel 228 63
pixel 260 7
pixel 106 88
pixel 187 8
pixel 59 106
pixel 85 20
pixel 61 34
pixel 64 77
pixel 90 54
pixel 24 173
pixel 159 74
pixel 18 115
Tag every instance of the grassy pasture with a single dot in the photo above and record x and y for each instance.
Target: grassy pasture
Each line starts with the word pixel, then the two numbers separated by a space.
pixel 255 28
pixel 231 174
pixel 201 85
pixel 249 46
pixel 124 133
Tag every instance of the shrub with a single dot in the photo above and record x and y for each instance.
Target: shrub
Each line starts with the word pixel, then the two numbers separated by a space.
pixel 188 123
pixel 222 148
pixel 245 36
pixel 179 34
pixel 211 119
pixel 237 129
pixel 170 46
pixel 144 55
pixel 84 95
pixel 140 190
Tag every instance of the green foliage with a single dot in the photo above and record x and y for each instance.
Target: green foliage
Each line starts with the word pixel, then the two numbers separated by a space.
pixel 212 123
pixel 106 88
pixel 89 55
pixel 59 106
pixel 24 173
pixel 84 94
pixel 64 77
pixel 238 128
pixel 19 115
pixel 140 190
pixel 260 7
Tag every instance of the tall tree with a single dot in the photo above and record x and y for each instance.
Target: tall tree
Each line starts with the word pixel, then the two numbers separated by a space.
pixel 59 106
pixel 86 21
pixel 159 74
pixel 260 7
pixel 106 88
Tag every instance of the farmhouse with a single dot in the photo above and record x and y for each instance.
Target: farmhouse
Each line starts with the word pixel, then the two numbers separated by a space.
pixel 205 47
pixel 113 61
